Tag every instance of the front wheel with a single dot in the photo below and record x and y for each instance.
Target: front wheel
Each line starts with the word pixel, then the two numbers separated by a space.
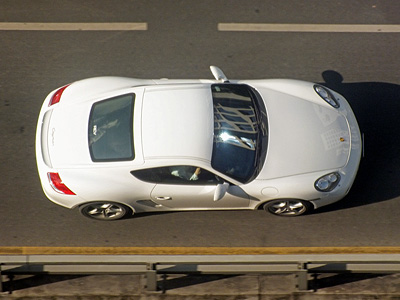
pixel 288 207
pixel 105 211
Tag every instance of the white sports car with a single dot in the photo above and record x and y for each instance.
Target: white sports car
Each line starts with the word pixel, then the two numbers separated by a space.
pixel 117 146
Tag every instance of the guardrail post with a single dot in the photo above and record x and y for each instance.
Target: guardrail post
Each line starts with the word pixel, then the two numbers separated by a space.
pixel 302 276
pixel 1 280
pixel 151 277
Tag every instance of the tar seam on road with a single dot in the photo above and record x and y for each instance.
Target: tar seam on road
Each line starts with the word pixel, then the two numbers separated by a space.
pixel 352 28
pixel 194 250
pixel 72 26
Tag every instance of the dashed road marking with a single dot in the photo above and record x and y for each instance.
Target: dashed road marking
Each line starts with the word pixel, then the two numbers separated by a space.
pixel 368 28
pixel 72 26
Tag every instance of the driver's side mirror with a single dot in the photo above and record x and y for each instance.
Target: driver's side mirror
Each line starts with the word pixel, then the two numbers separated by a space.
pixel 220 191
pixel 218 74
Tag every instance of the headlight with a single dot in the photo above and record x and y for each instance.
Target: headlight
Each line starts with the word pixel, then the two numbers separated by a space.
pixel 328 182
pixel 325 94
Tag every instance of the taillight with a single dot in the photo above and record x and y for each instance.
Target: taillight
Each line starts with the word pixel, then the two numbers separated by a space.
pixel 58 185
pixel 57 95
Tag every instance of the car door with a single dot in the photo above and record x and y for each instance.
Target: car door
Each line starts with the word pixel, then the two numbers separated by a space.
pixel 186 187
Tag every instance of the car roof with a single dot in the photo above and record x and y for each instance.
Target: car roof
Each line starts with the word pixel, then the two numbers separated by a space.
pixel 177 121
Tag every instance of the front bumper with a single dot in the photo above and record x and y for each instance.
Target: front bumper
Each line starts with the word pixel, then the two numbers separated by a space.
pixel 348 173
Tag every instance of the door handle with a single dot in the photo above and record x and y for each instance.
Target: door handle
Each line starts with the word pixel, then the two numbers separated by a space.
pixel 164 198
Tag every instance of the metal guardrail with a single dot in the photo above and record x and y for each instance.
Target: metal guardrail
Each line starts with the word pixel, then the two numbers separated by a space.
pixel 152 265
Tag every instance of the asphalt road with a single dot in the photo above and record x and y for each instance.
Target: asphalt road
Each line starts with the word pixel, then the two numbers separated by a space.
pixel 181 40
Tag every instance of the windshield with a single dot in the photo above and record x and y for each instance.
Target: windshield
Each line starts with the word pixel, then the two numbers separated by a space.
pixel 111 129
pixel 240 131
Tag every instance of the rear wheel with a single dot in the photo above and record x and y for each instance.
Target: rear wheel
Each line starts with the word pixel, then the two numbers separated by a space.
pixel 105 211
pixel 288 207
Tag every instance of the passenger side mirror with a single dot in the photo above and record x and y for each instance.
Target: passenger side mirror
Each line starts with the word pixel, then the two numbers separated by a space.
pixel 220 191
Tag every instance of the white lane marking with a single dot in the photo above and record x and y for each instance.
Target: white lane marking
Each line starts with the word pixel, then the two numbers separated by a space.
pixel 72 26
pixel 370 28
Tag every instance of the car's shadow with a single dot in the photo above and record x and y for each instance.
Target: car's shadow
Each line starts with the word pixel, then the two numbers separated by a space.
pixel 377 108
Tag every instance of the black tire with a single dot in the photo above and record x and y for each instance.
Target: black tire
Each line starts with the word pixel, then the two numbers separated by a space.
pixel 105 211
pixel 288 207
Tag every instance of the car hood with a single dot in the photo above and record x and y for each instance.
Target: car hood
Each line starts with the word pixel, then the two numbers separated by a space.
pixel 304 136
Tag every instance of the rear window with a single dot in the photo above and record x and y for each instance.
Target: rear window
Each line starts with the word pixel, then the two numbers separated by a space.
pixel 111 129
